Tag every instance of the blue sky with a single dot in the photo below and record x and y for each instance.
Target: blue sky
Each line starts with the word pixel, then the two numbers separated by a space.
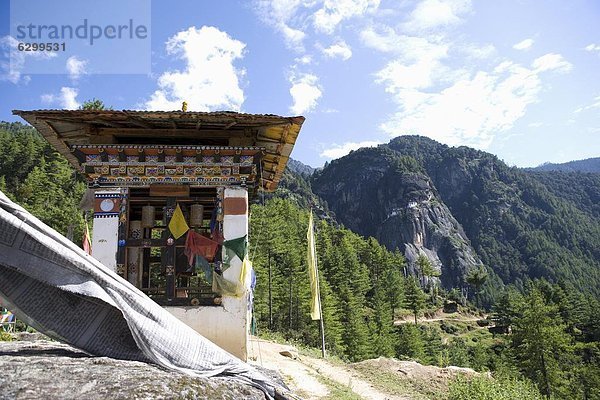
pixel 516 78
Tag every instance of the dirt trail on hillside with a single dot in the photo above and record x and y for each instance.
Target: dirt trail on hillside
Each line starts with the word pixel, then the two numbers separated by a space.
pixel 301 374
pixel 349 378
pixel 441 316
pixel 300 378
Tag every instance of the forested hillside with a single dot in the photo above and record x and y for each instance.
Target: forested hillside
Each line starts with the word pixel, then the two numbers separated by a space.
pixel 37 177
pixel 519 227
pixel 546 334
pixel 581 189
pixel 587 165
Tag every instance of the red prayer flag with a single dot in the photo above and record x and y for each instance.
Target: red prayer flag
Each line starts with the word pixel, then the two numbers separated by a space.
pixel 198 245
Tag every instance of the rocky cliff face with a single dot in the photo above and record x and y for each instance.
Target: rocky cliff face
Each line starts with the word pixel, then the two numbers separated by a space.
pixel 461 207
pixel 41 369
pixel 375 192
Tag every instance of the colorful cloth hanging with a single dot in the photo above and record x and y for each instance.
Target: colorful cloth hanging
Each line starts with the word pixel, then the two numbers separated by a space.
pixel 198 245
pixel 236 288
pixel 177 225
pixel 239 246
pixel 203 265
pixel 215 227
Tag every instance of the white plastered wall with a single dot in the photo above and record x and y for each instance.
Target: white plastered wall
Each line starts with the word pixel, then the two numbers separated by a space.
pixel 105 236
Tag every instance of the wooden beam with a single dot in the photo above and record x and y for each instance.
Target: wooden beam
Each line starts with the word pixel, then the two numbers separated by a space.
pixel 229 125
pixel 169 132
pixel 139 122
pixel 51 136
pixel 107 123
pixel 169 190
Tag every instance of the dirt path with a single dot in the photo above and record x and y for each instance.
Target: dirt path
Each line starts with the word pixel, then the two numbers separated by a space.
pixel 349 378
pixel 300 378
pixel 301 374
pixel 454 317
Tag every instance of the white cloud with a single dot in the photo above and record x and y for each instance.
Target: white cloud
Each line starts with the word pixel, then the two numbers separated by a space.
pixel 338 151
pixel 535 124
pixel 209 81
pixel 12 61
pixel 523 45
pixel 329 16
pixel 418 59
pixel 305 60
pixel 595 104
pixel 410 48
pixel 339 49
pixel 551 62
pixel 305 92
pixel 76 67
pixel 293 37
pixel 67 98
pixel 432 14
pixel 478 51
pixel 397 75
pixel 471 110
pixel 281 15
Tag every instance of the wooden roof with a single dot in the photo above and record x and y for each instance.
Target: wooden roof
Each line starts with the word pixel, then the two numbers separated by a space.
pixel 274 134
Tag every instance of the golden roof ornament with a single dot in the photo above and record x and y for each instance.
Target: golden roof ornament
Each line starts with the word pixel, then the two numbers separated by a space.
pixel 184 106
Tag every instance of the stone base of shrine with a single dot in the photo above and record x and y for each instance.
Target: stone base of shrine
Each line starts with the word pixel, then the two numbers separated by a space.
pixel 227 326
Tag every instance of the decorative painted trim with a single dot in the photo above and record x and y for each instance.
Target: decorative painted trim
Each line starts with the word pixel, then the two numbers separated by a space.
pixel 163 146
pixel 106 215
pixel 107 195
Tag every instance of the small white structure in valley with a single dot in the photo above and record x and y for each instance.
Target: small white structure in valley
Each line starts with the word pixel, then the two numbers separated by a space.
pixel 170 193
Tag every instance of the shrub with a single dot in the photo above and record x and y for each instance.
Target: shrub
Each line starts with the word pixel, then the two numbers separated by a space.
pixel 449 328
pixel 484 388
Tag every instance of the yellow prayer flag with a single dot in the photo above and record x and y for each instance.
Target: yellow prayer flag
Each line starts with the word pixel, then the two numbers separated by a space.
pixel 87 242
pixel 245 271
pixel 315 300
pixel 177 225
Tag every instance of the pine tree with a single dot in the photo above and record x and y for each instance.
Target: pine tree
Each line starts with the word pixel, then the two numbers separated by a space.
pixel 540 344
pixel 476 277
pixel 381 324
pixel 355 335
pixel 426 271
pixel 410 342
pixel 432 344
pixel 394 289
pixel 505 310
pixel 414 297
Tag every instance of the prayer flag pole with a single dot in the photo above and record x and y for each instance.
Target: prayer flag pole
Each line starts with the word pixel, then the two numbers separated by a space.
pixel 313 272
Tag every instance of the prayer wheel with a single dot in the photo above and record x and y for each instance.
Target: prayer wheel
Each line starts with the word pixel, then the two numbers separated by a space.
pixel 196 215
pixel 135 229
pixel 134 256
pixel 148 216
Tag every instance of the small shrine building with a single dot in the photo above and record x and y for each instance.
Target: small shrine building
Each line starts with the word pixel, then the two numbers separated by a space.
pixel 170 193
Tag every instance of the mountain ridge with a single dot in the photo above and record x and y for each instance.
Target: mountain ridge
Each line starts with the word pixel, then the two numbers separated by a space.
pixel 518 223
pixel 591 165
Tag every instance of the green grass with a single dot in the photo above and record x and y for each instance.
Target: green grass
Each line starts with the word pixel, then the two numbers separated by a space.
pixel 391 383
pixel 302 348
pixel 338 391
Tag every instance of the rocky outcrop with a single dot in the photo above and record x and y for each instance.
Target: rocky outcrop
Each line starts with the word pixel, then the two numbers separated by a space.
pixel 42 369
pixel 376 193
